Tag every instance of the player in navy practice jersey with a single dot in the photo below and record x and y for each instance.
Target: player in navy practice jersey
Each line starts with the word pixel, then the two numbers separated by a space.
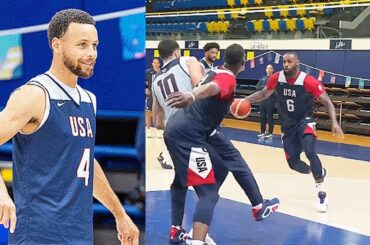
pixel 52 122
pixel 210 55
pixel 296 93
pixel 188 135
pixel 149 77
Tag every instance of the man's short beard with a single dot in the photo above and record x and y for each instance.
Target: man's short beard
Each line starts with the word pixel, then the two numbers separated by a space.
pixel 76 68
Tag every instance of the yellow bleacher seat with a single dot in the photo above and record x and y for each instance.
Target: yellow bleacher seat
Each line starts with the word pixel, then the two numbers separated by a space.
pixel 258 2
pixel 7 174
pixel 274 25
pixel 217 26
pixel 284 13
pixel 244 2
pixel 231 3
pixel 225 26
pixel 291 24
pixel 258 25
pixel 210 27
pixel 309 23
pixel 221 15
pixel 301 12
pixel 268 12
pixel 234 15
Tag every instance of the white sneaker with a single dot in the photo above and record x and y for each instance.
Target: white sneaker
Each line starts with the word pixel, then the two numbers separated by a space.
pixel 261 135
pixel 322 204
pixel 208 241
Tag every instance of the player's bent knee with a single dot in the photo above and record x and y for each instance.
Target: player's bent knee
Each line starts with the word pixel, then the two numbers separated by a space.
pixel 299 166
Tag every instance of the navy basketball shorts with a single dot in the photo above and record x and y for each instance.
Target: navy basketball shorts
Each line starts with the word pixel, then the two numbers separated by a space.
pixel 149 103
pixel 231 156
pixel 292 140
pixel 195 165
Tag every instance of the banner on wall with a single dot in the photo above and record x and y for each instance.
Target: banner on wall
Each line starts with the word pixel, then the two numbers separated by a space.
pixel 191 44
pixel 132 28
pixel 11 57
pixel 341 44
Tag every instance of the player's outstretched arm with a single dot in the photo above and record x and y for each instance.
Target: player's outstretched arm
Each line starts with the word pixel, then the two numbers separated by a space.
pixel 260 95
pixel 157 113
pixel 183 99
pixel 128 233
pixel 335 127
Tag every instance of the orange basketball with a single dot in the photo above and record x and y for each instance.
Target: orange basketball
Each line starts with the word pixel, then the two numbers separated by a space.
pixel 240 108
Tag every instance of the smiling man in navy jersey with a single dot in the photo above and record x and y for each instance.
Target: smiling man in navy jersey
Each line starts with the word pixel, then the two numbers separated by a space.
pixel 296 92
pixel 52 122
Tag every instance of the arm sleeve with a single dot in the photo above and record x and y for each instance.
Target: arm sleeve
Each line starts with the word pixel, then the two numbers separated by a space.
pixel 272 81
pixel 313 86
pixel 227 85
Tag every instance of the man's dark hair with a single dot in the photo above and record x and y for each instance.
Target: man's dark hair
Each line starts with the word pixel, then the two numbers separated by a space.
pixel 292 53
pixel 209 46
pixel 60 22
pixel 167 47
pixel 234 54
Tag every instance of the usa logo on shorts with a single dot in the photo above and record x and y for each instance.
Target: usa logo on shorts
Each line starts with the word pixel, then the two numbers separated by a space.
pixel 200 170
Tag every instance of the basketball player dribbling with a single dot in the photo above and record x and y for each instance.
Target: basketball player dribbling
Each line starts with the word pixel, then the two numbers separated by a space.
pixel 296 92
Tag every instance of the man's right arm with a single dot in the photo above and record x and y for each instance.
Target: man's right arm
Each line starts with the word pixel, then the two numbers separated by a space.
pixel 195 71
pixel 157 113
pixel 266 92
pixel 23 105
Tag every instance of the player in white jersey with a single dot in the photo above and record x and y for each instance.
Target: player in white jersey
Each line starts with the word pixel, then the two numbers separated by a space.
pixel 169 79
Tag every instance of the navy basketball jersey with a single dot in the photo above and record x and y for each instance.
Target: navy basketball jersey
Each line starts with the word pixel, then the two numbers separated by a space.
pixel 211 111
pixel 207 67
pixel 294 102
pixel 149 77
pixel 53 170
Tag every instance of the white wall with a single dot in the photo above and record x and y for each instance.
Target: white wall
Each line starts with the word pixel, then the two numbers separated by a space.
pixel 299 44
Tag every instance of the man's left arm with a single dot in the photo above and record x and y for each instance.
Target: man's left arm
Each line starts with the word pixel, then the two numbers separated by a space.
pixel 335 127
pixel 317 89
pixel 128 233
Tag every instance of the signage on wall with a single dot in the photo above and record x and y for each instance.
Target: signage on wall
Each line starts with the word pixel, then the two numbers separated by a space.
pixel 341 44
pixel 191 44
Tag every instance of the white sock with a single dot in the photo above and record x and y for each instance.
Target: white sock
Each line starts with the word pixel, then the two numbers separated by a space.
pixel 320 187
pixel 259 206
pixel 196 242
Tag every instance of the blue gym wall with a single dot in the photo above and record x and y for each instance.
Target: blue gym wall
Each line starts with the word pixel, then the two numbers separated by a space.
pixel 345 62
pixel 118 84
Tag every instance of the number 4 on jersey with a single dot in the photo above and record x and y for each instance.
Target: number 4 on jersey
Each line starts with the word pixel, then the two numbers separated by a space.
pixel 83 168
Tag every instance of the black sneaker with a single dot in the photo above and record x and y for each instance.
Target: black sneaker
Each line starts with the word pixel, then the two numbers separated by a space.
pixel 268 207
pixel 163 162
